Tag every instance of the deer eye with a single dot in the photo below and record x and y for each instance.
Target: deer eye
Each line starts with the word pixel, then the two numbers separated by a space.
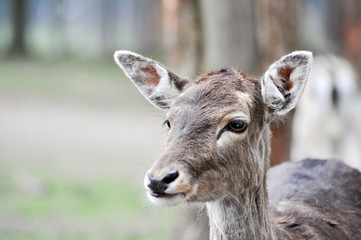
pixel 166 122
pixel 237 126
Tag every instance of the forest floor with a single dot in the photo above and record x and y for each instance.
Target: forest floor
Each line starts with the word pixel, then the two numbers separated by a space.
pixel 76 139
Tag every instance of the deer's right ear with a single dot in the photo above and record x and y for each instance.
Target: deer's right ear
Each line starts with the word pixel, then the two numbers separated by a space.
pixel 156 83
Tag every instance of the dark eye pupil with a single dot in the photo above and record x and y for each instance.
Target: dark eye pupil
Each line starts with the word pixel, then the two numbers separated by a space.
pixel 237 126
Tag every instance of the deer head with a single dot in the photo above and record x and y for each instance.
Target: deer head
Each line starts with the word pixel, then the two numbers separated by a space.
pixel 218 140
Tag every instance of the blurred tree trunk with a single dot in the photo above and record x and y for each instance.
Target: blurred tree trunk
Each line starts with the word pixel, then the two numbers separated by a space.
pixel 277 36
pixel 230 31
pixel 183 35
pixel 277 29
pixel 349 31
pixel 19 15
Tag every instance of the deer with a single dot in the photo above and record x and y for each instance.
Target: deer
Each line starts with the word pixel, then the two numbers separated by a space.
pixel 218 151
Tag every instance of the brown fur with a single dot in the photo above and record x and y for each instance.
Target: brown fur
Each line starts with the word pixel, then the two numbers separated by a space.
pixel 152 75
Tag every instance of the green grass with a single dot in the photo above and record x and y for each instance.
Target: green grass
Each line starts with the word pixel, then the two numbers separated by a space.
pixel 91 209
pixel 90 199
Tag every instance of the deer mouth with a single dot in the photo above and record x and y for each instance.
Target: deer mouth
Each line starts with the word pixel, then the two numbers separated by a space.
pixel 164 195
pixel 166 199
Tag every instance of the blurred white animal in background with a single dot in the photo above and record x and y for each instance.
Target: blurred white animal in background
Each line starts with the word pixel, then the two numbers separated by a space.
pixel 327 121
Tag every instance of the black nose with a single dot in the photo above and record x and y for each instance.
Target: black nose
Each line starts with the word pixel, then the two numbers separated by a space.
pixel 159 185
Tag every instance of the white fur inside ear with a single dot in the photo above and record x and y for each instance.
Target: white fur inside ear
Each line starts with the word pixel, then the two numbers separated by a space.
pixel 284 81
pixel 166 90
pixel 270 93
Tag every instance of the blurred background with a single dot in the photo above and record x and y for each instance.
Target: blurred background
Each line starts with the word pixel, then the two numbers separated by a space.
pixel 76 138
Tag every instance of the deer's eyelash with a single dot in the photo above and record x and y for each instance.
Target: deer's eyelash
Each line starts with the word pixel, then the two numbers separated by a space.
pixel 166 123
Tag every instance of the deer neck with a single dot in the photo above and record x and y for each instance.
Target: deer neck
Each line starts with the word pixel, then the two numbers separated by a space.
pixel 244 216
pixel 241 217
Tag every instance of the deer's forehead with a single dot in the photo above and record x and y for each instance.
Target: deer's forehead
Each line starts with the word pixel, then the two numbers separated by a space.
pixel 211 101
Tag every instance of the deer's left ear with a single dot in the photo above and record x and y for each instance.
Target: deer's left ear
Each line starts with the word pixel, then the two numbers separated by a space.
pixel 284 81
